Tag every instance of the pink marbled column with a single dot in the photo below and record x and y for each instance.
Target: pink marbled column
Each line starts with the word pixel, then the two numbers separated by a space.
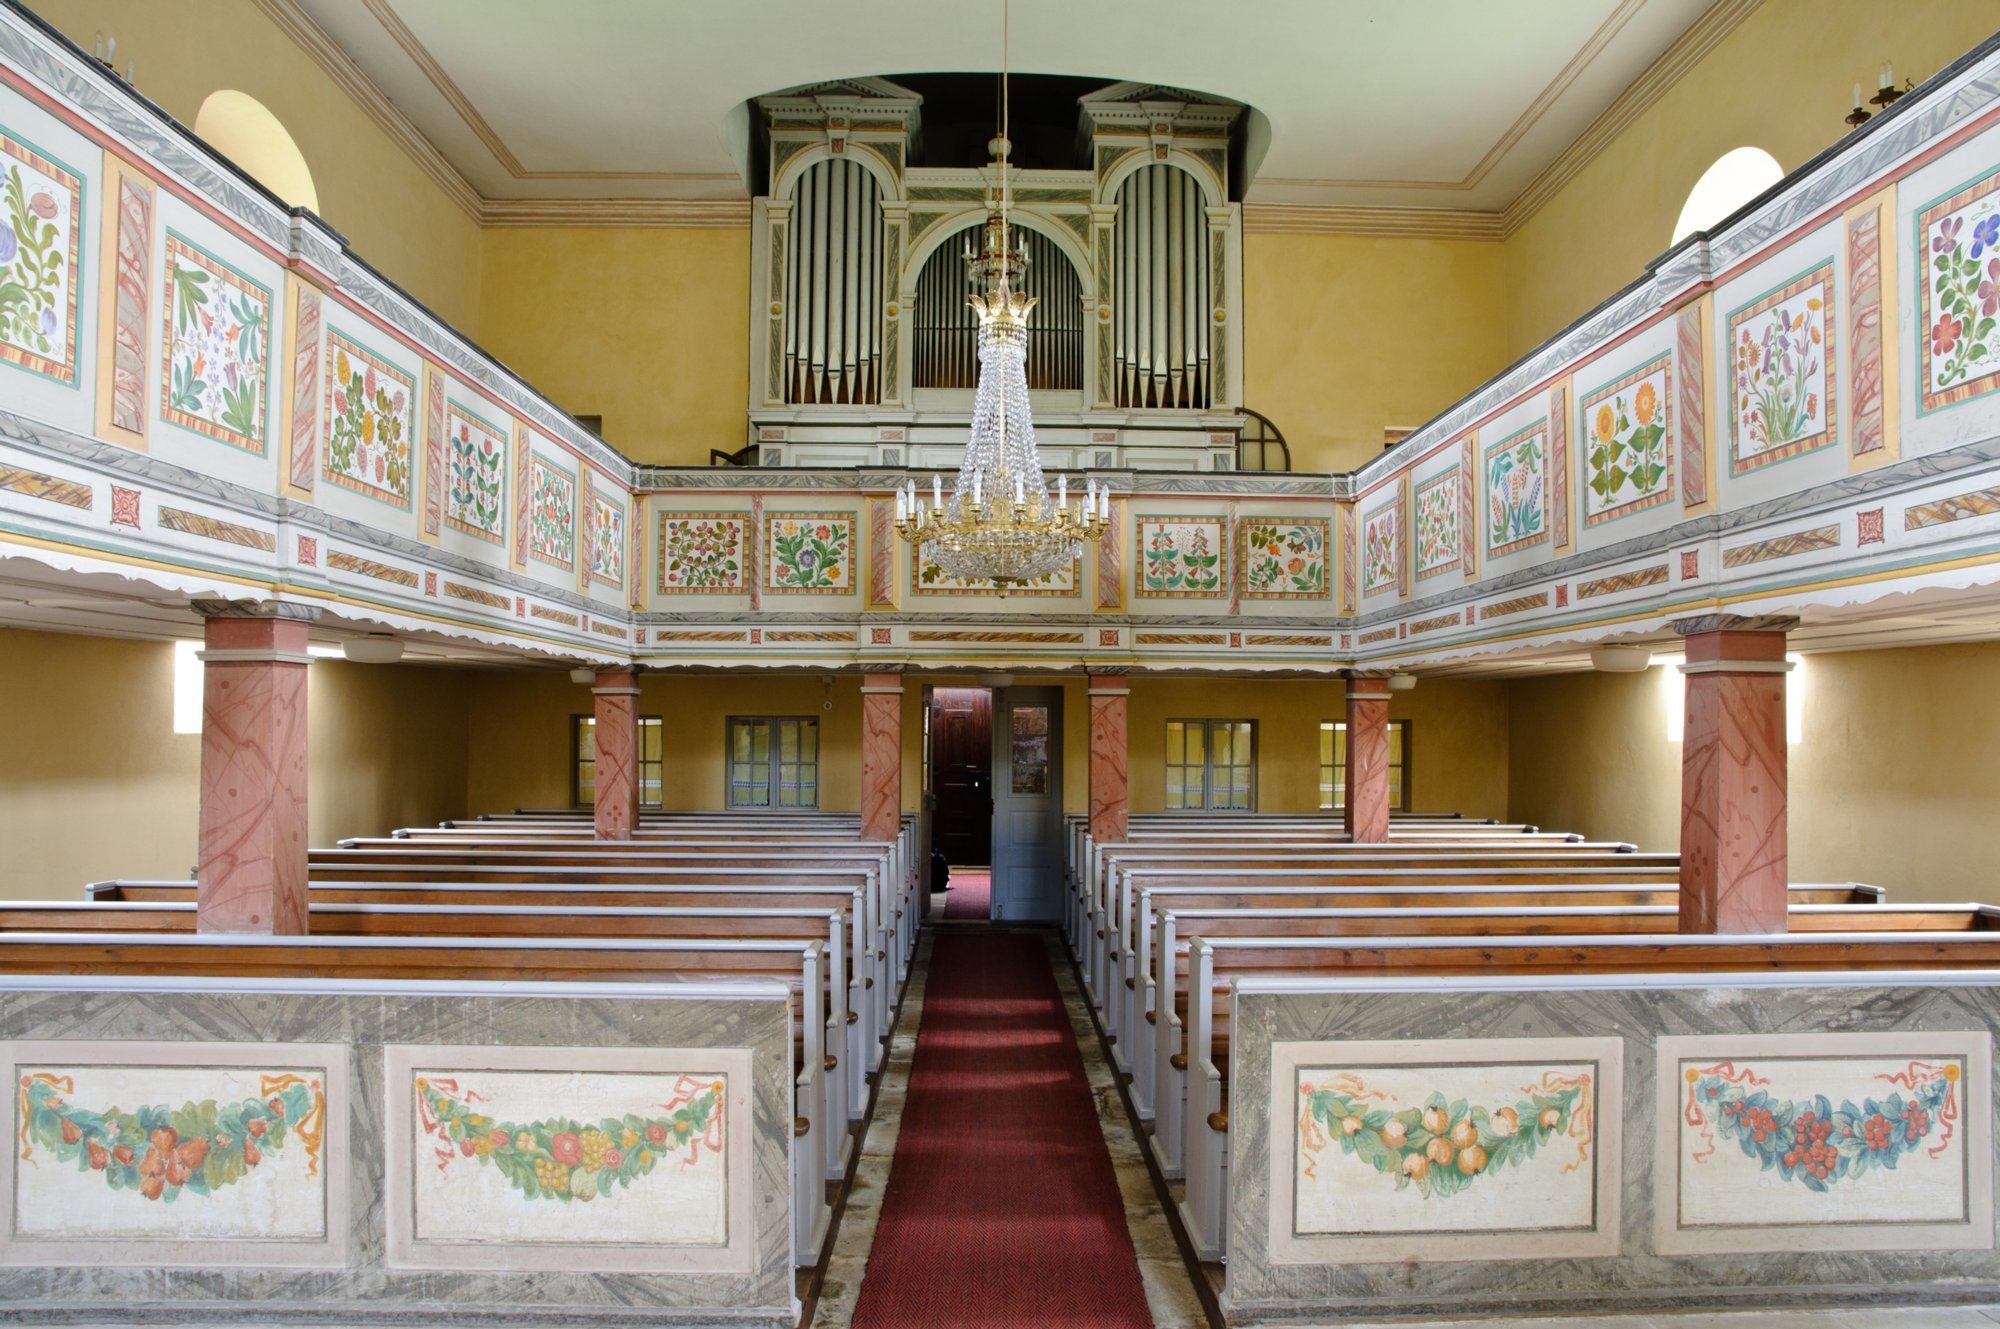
pixel 617 806
pixel 251 869
pixel 881 756
pixel 1110 799
pixel 1733 848
pixel 1366 814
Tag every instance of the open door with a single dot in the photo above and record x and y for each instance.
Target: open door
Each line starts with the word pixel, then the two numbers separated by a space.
pixel 1027 803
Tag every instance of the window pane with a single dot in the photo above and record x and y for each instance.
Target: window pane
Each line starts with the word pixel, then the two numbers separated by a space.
pixel 586 740
pixel 788 740
pixel 1176 787
pixel 1197 744
pixel 586 782
pixel 1396 744
pixel 760 741
pixel 739 740
pixel 808 740
pixel 651 739
pixel 1176 743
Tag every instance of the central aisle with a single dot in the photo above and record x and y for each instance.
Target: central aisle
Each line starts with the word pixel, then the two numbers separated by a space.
pixel 1002 1208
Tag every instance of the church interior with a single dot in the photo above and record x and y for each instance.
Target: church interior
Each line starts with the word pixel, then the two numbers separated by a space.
pixel 1003 664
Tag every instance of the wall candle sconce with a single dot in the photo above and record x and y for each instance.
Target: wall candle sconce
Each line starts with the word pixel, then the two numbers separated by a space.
pixel 1886 95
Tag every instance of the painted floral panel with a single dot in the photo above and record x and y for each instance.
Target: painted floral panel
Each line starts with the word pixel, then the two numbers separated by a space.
pixel 569 1158
pixel 551 512
pixel 1182 557
pixel 1283 558
pixel 1801 1139
pixel 41 218
pixel 1382 548
pixel 475 475
pixel 217 371
pixel 212 1152
pixel 1628 456
pixel 1438 547
pixel 704 552
pixel 1440 1149
pixel 1782 372
pixel 927 578
pixel 1958 331
pixel 1516 490
pixel 607 539
pixel 369 415
pixel 809 552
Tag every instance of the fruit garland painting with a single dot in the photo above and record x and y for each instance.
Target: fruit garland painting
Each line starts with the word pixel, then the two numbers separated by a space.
pixel 368 422
pixel 1445 1145
pixel 1516 480
pixel 1181 556
pixel 216 376
pixel 703 552
pixel 1813 1141
pixel 1958 255
pixel 1781 366
pixel 1627 455
pixel 559 1159
pixel 1382 548
pixel 1283 559
pixel 809 551
pixel 41 205
pixel 165 1151
pixel 1438 548
pixel 551 513
pixel 475 475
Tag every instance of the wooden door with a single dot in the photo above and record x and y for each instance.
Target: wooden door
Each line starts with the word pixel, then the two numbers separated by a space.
pixel 1027 819
pixel 962 774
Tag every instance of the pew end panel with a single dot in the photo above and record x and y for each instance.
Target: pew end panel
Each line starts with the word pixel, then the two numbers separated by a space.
pixel 1648 1187
pixel 335 1182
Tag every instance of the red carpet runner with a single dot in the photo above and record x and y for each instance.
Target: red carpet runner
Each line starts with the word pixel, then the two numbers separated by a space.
pixel 970 899
pixel 1002 1208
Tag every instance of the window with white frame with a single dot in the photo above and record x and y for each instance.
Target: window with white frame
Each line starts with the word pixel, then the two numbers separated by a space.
pixel 773 761
pixel 1333 765
pixel 1211 765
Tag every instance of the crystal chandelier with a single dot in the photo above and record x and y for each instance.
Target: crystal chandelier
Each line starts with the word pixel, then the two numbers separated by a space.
pixel 1001 524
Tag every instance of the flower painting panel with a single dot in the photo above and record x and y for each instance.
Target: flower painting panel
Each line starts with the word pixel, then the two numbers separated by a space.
pixel 216 370
pixel 1438 547
pixel 551 512
pixel 1516 490
pixel 704 552
pixel 1627 452
pixel 607 539
pixel 1382 548
pixel 808 552
pixel 1283 558
pixel 41 216
pixel 1798 1132
pixel 1958 293
pixel 369 412
pixel 1182 557
pixel 1782 372
pixel 1493 1141
pixel 476 475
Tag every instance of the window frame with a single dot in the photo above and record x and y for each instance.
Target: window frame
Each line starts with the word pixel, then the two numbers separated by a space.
pixel 1208 728
pixel 774 782
pixel 1332 778
pixel 577 720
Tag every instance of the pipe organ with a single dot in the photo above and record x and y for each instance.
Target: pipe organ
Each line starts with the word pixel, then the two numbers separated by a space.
pixel 833 287
pixel 861 345
pixel 946 329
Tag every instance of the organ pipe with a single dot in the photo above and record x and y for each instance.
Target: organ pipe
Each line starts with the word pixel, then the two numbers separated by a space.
pixel 834 287
pixel 1161 298
pixel 946 327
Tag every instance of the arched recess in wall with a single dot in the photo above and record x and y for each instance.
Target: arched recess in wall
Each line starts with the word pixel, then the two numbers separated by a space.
pixel 946 329
pixel 243 129
pixel 1737 176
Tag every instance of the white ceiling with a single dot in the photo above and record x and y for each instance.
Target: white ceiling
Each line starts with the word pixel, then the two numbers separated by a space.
pixel 1405 103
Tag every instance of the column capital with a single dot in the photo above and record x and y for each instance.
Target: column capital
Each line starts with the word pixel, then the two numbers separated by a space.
pixel 882 682
pixel 280 610
pixel 1706 623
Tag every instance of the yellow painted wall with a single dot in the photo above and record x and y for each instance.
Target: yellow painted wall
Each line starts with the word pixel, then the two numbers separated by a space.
pixel 1587 752
pixel 1345 335
pixel 370 190
pixel 95 784
pixel 647 328
pixel 1782 81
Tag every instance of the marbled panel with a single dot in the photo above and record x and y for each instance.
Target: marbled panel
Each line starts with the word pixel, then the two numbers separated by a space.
pixel 434 428
pixel 616 811
pixel 305 387
pixel 1864 330
pixel 252 843
pixel 1692 422
pixel 130 317
pixel 523 454
pixel 1366 815
pixel 1109 795
pixel 882 542
pixel 1111 561
pixel 1559 465
pixel 881 756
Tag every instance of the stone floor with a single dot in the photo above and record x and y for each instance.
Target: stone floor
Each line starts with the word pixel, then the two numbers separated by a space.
pixel 1885 1318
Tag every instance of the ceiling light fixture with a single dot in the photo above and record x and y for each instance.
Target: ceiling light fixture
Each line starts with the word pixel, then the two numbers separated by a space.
pixel 1620 659
pixel 1001 525
pixel 375 648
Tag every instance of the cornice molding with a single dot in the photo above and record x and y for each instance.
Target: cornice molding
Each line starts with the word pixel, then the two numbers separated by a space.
pixel 1403 223
pixel 616 213
pixel 1689 49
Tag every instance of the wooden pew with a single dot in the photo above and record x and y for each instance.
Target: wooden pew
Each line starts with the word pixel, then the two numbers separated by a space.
pixel 1215 963
pixel 197 956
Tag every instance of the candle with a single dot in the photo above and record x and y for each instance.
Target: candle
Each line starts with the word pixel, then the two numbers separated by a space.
pixel 937 492
pixel 1857 96
pixel 1062 492
pixel 975 489
pixel 902 505
pixel 1020 493
pixel 1888 75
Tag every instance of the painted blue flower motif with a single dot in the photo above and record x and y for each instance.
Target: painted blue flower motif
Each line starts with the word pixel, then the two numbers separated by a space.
pixel 1986 234
pixel 10 244
pixel 48 322
pixel 808 558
